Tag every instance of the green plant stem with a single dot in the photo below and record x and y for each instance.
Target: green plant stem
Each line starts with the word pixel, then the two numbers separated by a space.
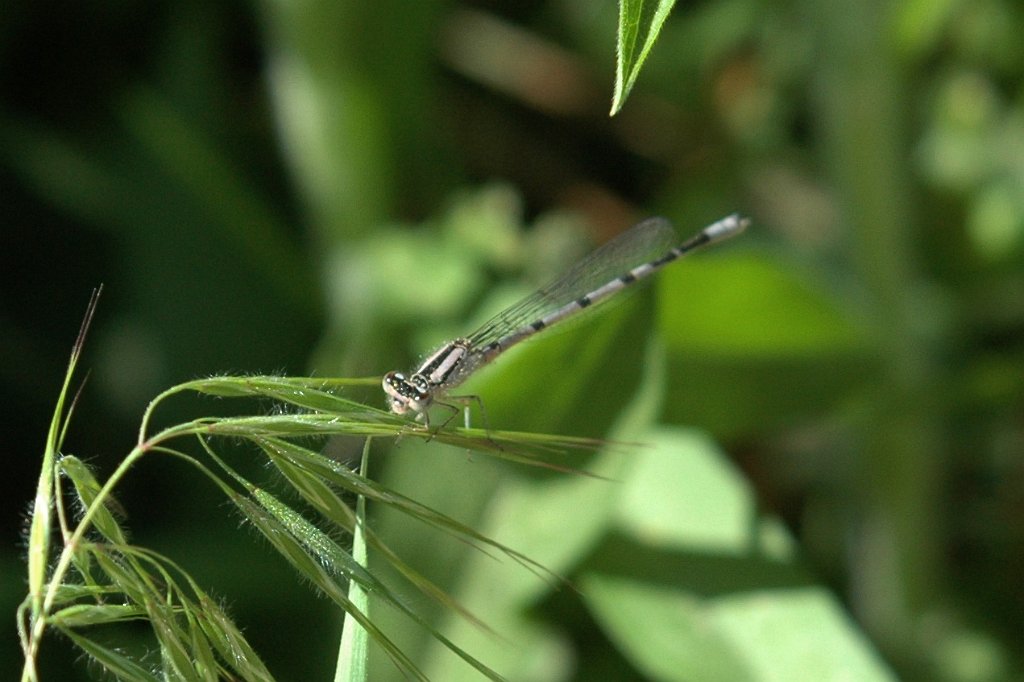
pixel 861 101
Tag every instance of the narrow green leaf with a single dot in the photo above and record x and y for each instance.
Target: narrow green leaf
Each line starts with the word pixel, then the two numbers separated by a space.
pixel 342 476
pixel 289 548
pixel 300 425
pixel 353 652
pixel 84 615
pixel 162 612
pixel 332 556
pixel 320 495
pixel 41 524
pixel 328 552
pixel 73 592
pixel 307 393
pixel 337 560
pixel 524 448
pixel 123 578
pixel 640 22
pixel 311 487
pixel 117 664
pixel 87 488
pixel 203 659
pixel 229 641
pixel 174 651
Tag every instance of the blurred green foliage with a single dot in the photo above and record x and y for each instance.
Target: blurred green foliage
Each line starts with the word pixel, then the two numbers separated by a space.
pixel 333 186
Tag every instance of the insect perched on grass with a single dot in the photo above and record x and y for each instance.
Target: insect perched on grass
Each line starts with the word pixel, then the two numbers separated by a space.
pixel 635 254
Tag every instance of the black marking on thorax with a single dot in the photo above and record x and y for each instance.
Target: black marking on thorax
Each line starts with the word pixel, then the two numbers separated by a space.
pixel 438 367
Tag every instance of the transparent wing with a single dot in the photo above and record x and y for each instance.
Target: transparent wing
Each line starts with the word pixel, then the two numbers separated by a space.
pixel 643 242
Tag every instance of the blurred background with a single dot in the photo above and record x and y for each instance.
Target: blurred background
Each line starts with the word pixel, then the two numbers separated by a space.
pixel 331 187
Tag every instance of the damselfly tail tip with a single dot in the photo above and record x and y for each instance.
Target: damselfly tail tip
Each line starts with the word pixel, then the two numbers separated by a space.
pixel 727 227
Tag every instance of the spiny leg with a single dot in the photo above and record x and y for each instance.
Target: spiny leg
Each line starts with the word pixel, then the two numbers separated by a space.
pixel 466 400
pixel 409 426
pixel 455 411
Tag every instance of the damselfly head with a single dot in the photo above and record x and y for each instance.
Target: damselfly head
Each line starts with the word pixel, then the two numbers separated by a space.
pixel 405 394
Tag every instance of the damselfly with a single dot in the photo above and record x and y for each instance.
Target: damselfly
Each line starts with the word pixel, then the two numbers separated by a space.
pixel 635 254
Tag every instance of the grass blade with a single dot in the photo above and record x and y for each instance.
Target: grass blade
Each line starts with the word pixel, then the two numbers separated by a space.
pixel 87 488
pixel 41 526
pixel 307 566
pixel 116 664
pixel 353 652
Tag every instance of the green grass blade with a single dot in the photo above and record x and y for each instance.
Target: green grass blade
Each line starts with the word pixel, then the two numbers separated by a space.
pixel 174 651
pixel 318 558
pixel 87 488
pixel 230 643
pixel 203 658
pixel 86 615
pixel 307 393
pixel 208 624
pixel 340 475
pixel 353 652
pixel 161 610
pixel 308 567
pixel 640 22
pixel 322 497
pixel 115 663
pixel 41 525
pixel 336 560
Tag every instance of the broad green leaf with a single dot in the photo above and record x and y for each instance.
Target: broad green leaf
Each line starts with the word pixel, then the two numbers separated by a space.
pixel 674 632
pixel 743 305
pixel 683 494
pixel 753 342
pixel 698 585
pixel 798 633
pixel 640 22
pixel 663 631
pixel 597 360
